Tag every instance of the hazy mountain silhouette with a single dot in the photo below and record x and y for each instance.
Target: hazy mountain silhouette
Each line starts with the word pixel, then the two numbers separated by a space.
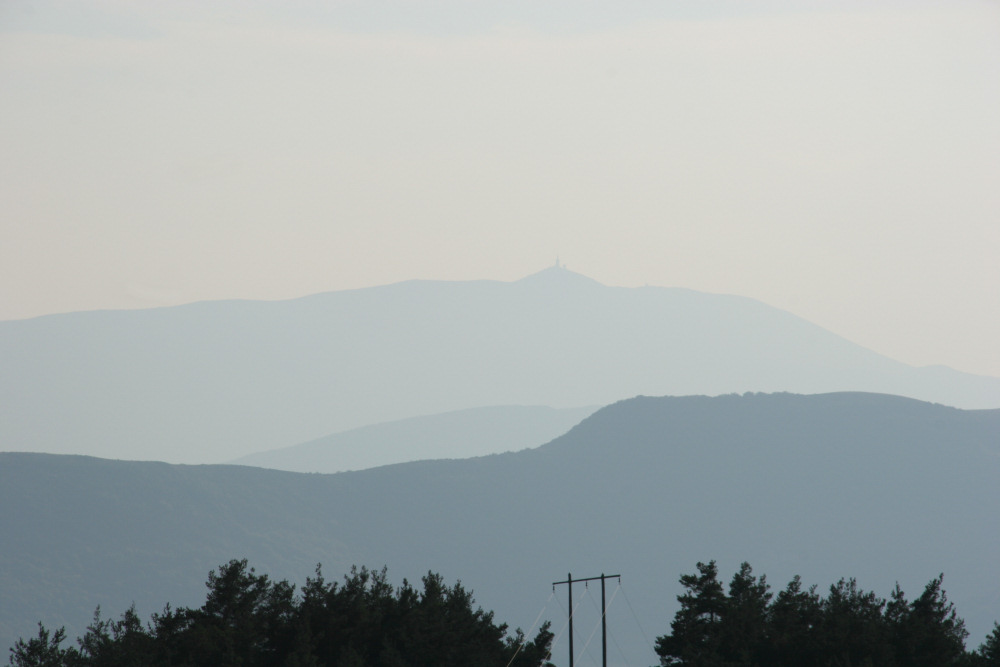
pixel 212 381
pixel 873 486
pixel 459 434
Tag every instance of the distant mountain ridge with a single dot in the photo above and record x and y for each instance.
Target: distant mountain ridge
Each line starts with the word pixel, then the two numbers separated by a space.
pixel 458 434
pixel 213 381
pixel 878 487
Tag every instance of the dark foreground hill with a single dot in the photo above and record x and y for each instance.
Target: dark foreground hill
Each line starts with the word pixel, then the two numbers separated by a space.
pixel 872 486
pixel 209 382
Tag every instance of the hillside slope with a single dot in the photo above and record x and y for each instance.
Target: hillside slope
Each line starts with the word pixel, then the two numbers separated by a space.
pixel 879 487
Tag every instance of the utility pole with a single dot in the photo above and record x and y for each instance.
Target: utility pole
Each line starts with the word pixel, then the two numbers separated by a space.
pixel 604 612
pixel 604 626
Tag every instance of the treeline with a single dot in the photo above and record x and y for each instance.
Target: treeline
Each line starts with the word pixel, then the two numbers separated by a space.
pixel 252 621
pixel 363 621
pixel 750 626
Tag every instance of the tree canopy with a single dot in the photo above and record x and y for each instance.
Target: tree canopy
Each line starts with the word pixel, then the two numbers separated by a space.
pixel 248 620
pixel 751 627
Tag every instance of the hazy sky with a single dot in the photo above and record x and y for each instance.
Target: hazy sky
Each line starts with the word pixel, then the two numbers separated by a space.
pixel 840 160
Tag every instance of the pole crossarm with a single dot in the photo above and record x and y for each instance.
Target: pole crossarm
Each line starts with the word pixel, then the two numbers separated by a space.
pixel 577 581
pixel 604 611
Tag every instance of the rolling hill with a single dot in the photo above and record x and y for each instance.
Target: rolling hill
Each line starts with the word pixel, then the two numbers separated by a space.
pixel 452 435
pixel 878 487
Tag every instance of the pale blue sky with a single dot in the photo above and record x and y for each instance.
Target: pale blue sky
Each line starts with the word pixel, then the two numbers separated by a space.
pixel 840 162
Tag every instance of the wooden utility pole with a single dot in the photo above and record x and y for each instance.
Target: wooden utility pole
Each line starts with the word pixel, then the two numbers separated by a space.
pixel 604 612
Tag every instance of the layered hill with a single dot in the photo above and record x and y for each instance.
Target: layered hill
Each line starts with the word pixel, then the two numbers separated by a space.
pixel 879 487
pixel 452 435
pixel 212 381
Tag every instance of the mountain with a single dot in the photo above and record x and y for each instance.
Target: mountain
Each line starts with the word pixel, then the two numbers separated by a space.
pixel 212 381
pixel 877 487
pixel 452 435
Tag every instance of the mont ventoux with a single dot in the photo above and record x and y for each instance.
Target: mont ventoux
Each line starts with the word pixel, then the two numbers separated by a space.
pixel 218 381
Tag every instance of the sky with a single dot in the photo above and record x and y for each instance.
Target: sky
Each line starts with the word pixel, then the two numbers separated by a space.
pixel 838 160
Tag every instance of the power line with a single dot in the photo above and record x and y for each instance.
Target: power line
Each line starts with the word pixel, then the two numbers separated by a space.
pixel 524 639
pixel 569 619
pixel 625 595
pixel 604 628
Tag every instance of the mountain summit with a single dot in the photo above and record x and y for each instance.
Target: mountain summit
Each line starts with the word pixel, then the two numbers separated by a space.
pixel 558 277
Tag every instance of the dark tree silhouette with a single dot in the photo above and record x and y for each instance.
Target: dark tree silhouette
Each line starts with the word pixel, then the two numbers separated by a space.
pixel 41 651
pixel 795 618
pixel 744 626
pixel 988 654
pixel 250 621
pixel 850 627
pixel 928 630
pixel 695 637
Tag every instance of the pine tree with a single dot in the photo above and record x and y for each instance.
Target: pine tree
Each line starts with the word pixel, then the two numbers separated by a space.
pixel 853 629
pixel 795 618
pixel 989 651
pixel 695 638
pixel 42 651
pixel 745 619
pixel 936 633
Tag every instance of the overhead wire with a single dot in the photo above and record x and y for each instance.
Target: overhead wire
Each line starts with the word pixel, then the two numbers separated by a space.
pixel 593 603
pixel 611 632
pixel 636 618
pixel 603 614
pixel 586 590
pixel 524 639
pixel 555 641
pixel 619 647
